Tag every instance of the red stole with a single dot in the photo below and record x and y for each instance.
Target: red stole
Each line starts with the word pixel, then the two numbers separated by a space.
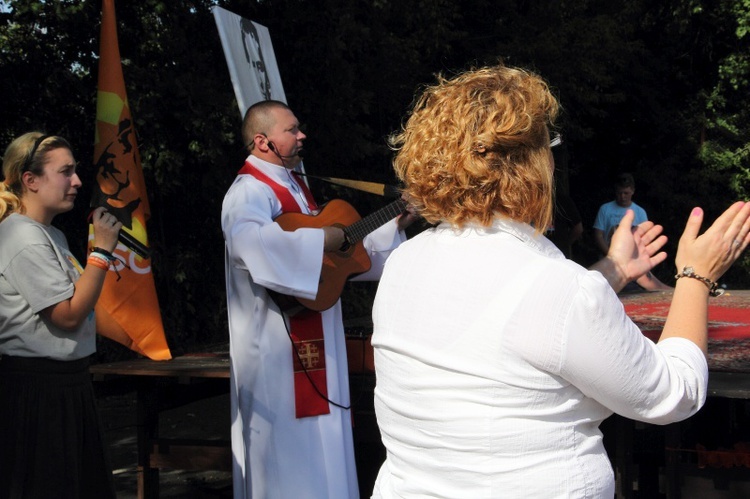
pixel 306 327
pixel 288 204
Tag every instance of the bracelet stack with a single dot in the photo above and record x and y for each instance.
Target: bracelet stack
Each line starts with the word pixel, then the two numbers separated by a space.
pixel 100 258
pixel 713 287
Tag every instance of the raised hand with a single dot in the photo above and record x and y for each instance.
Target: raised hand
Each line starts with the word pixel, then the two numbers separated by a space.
pixel 713 252
pixel 636 250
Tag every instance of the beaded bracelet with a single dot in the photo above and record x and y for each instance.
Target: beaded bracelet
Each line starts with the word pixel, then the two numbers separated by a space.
pixel 713 287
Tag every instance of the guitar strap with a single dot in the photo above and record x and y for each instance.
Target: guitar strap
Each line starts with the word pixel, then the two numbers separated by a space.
pixel 306 327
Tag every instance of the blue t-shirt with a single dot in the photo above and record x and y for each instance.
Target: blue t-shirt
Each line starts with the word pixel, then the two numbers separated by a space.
pixel 611 213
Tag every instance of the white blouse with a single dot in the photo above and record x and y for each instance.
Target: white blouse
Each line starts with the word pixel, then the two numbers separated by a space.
pixel 496 361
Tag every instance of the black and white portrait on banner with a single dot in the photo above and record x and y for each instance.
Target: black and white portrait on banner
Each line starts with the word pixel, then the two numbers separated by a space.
pixel 250 58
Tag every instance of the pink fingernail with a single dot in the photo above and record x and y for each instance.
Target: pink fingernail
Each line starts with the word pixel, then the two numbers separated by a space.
pixel 696 212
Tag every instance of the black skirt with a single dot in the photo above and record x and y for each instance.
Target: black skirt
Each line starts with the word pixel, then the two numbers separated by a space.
pixel 51 444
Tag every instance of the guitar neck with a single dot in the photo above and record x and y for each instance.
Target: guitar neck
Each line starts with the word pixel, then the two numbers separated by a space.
pixel 359 229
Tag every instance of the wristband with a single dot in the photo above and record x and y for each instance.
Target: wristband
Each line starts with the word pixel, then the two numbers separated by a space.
pixel 101 256
pixel 106 254
pixel 97 262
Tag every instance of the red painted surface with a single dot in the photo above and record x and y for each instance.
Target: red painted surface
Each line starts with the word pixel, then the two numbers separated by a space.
pixel 728 325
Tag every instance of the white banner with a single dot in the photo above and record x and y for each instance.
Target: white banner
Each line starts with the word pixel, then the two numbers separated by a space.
pixel 252 63
pixel 251 60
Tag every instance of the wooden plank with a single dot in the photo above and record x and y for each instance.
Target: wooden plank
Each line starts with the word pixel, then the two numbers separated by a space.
pixel 183 368
pixel 191 455
pixel 729 385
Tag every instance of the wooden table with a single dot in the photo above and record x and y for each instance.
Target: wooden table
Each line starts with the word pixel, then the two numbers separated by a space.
pixel 162 385
pixel 728 364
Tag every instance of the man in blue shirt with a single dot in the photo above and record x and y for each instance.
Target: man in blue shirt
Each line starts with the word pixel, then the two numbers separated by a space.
pixel 609 216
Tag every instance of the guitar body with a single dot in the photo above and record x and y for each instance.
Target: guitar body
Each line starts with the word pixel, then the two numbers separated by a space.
pixel 338 266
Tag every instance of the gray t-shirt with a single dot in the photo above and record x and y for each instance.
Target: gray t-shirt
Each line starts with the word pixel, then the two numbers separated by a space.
pixel 38 270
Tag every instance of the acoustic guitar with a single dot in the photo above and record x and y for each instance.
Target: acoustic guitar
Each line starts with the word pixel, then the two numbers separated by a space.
pixel 340 265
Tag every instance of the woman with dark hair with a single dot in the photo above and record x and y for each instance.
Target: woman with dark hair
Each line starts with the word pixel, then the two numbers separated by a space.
pixel 496 358
pixel 51 443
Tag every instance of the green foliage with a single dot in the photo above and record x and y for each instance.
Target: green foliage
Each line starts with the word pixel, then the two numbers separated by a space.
pixel 655 88
pixel 725 139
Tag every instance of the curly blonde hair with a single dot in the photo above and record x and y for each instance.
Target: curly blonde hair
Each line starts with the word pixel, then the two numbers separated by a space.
pixel 477 146
pixel 19 157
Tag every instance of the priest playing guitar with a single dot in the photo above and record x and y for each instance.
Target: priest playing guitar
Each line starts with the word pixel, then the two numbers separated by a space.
pixel 291 420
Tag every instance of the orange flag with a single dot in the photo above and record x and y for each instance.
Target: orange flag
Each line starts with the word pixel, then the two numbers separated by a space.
pixel 128 309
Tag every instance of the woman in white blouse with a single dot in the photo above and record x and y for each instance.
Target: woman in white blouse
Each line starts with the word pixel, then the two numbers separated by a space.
pixel 496 358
